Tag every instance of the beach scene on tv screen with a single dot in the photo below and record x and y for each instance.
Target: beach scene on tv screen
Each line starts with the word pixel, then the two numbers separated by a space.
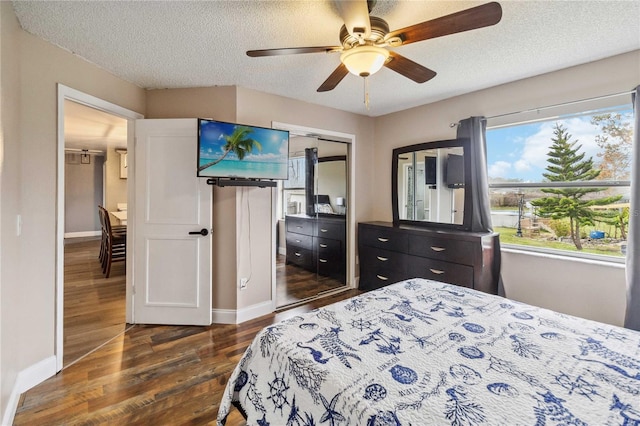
pixel 239 151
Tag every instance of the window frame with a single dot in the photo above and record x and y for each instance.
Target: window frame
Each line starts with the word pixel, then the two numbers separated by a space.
pixel 519 186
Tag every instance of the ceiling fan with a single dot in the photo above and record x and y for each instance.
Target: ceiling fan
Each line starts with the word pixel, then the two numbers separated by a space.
pixel 365 40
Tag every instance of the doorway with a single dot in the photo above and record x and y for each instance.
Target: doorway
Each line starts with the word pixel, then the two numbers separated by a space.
pixel 313 226
pixel 91 309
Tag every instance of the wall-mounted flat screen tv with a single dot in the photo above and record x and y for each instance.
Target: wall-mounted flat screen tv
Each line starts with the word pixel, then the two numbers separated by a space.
pixel 455 171
pixel 229 150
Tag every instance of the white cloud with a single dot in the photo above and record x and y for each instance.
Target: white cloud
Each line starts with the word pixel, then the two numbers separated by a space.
pixel 537 145
pixel 499 169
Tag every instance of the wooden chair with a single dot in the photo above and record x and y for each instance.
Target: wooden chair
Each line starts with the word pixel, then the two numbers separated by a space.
pixel 114 242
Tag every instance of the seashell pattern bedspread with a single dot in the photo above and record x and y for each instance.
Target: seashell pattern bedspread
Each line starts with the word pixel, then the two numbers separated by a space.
pixel 422 352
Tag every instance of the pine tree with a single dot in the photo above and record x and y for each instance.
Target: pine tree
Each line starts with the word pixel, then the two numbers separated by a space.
pixel 567 164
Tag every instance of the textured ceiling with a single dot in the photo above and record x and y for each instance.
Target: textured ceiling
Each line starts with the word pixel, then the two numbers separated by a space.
pixel 175 44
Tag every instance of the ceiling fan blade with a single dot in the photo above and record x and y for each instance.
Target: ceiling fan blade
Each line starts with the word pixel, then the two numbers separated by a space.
pixel 355 14
pixel 408 68
pixel 470 19
pixel 336 77
pixel 293 51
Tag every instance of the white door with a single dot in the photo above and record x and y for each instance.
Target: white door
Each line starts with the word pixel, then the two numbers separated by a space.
pixel 172 266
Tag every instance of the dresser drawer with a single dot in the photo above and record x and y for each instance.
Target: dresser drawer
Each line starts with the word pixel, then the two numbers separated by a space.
pixel 452 273
pixel 384 238
pixel 299 240
pixel 332 230
pixel 372 278
pixel 300 256
pixel 331 267
pixel 445 249
pixel 300 225
pixel 328 248
pixel 381 259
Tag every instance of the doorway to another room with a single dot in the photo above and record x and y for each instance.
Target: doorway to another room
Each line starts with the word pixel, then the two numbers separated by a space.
pixel 94 280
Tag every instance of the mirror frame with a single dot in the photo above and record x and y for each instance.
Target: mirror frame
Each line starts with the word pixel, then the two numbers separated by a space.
pixel 468 183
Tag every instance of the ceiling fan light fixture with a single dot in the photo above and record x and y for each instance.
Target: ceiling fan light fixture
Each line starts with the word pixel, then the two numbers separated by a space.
pixel 364 61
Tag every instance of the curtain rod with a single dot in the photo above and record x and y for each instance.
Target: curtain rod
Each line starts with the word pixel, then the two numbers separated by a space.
pixel 628 92
pixel 596 98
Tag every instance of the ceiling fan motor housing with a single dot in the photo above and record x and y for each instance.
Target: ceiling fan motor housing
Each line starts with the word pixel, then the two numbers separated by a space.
pixel 379 29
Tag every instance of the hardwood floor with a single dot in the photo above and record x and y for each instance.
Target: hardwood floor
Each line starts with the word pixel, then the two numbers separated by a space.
pixel 294 284
pixel 151 375
pixel 94 306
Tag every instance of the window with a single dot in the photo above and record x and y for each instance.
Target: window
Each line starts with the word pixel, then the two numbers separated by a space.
pixel 561 182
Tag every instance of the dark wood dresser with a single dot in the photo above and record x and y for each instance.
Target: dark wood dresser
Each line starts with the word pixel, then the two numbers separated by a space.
pixel 389 254
pixel 317 244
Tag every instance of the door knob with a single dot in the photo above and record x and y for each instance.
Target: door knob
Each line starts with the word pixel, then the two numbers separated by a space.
pixel 202 232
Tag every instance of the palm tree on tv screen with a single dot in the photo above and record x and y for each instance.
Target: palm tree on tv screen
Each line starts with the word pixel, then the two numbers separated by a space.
pixel 239 143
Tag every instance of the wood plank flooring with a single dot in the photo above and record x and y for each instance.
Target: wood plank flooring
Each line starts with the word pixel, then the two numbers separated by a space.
pixel 151 375
pixel 294 284
pixel 94 306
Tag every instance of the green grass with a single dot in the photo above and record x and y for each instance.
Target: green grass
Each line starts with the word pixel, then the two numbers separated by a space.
pixel 508 236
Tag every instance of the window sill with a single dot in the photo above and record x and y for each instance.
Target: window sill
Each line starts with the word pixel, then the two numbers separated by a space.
pixel 614 261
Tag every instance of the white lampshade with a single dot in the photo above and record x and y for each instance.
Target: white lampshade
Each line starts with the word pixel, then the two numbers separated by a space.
pixel 364 61
pixel 340 201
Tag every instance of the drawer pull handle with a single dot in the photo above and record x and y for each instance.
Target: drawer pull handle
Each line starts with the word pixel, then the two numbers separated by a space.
pixel 380 277
pixel 382 259
pixel 323 230
pixel 299 226
pixel 297 241
pixel 383 240
pixel 437 271
pixel 323 260
pixel 323 245
pixel 298 254
pixel 438 248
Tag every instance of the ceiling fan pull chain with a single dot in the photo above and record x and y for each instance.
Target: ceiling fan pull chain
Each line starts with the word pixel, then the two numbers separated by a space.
pixel 366 92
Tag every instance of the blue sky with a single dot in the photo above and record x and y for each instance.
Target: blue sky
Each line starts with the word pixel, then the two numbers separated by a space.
pixel 274 142
pixel 521 151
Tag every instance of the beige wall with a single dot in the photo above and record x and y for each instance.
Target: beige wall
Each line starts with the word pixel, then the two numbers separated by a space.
pixel 549 284
pixel 11 293
pixel 31 70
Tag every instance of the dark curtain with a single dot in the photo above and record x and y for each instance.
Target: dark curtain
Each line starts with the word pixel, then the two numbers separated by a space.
pixel 632 317
pixel 474 129
pixel 311 159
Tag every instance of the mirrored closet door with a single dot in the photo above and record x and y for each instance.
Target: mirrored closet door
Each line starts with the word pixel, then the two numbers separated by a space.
pixel 312 229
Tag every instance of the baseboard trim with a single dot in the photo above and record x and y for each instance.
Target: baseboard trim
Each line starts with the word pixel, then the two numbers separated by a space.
pixel 223 316
pixel 254 311
pixel 237 316
pixel 82 234
pixel 25 380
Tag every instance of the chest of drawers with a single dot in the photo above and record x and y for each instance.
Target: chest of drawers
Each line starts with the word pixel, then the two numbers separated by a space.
pixel 390 253
pixel 317 244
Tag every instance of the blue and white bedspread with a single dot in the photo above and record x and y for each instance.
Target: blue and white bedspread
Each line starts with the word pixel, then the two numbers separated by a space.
pixel 421 352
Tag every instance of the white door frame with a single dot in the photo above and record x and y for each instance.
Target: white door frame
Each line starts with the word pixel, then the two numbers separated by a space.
pixel 350 140
pixel 67 93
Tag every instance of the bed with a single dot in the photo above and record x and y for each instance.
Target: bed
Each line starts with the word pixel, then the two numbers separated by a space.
pixel 422 352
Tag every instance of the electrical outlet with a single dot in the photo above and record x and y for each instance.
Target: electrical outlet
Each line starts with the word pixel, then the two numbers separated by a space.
pixel 243 283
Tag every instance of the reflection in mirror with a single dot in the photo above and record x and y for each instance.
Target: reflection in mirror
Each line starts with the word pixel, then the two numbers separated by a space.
pixel 430 183
pixel 312 247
